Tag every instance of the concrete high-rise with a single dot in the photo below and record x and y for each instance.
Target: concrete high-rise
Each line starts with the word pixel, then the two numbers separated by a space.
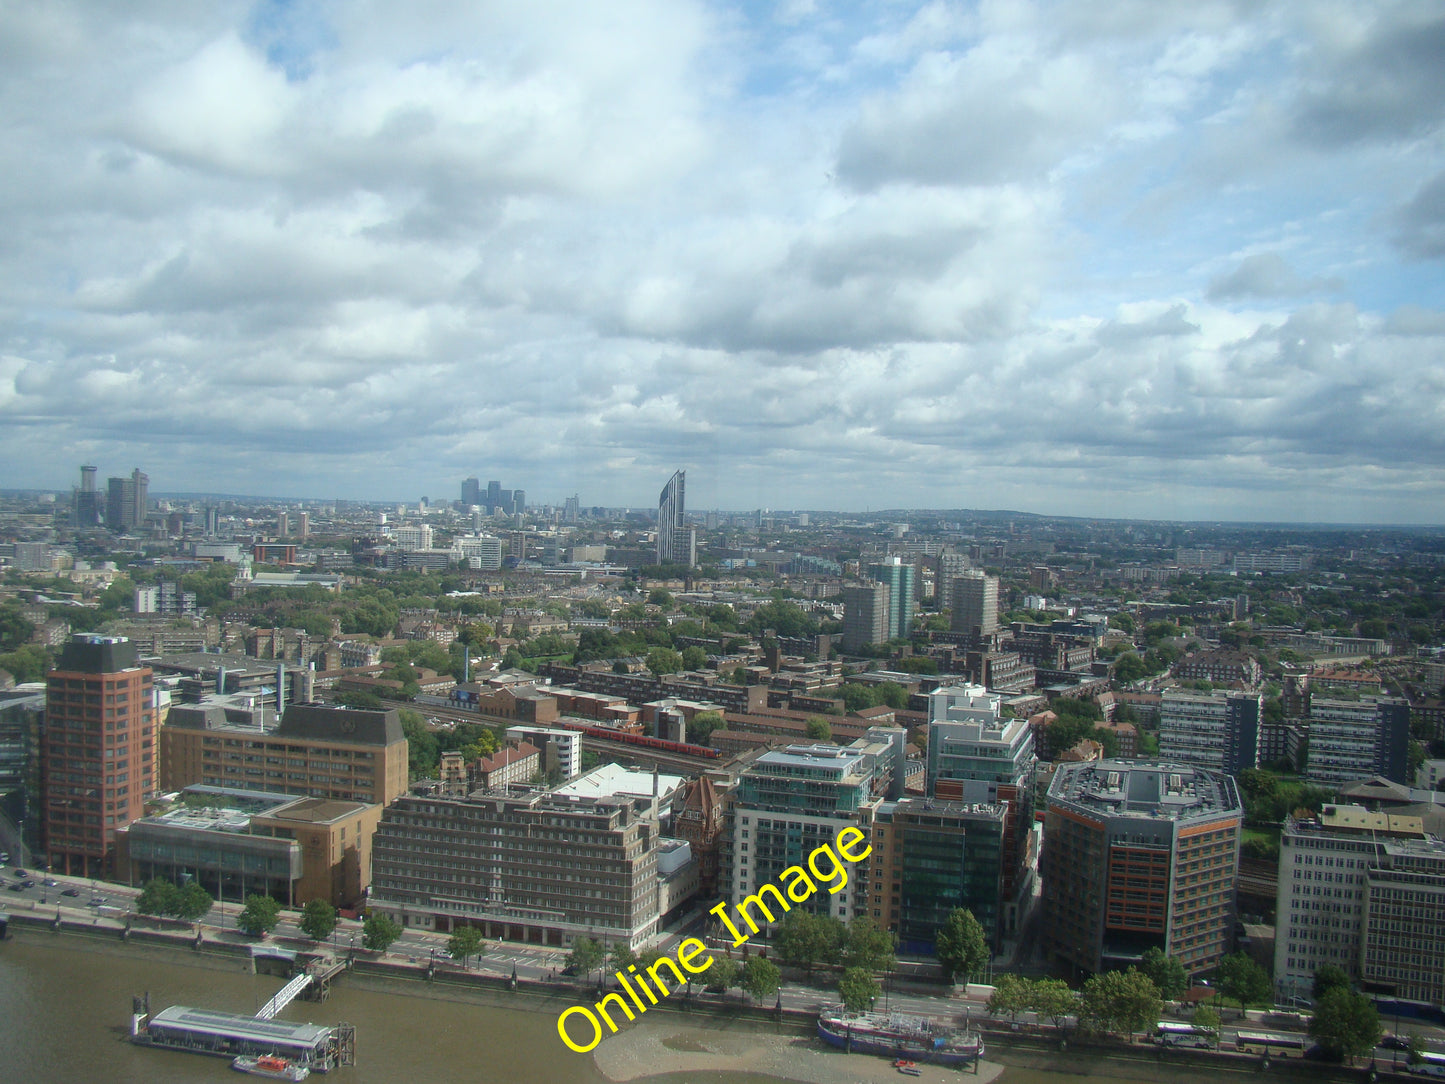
pixel 865 616
pixel 87 506
pixel 125 505
pixel 975 604
pixel 676 545
pixel 898 574
pixel 1218 730
pixel 471 493
pixel 98 751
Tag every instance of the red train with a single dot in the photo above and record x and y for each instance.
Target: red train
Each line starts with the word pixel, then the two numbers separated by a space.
pixel 644 740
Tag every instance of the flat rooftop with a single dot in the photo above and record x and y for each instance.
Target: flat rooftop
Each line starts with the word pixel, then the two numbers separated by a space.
pixel 1130 788
pixel 233 1025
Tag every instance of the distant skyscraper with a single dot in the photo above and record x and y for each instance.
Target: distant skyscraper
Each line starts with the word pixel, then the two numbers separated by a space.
pixel 898 575
pixel 125 505
pixel 865 615
pixel 675 543
pixel 519 501
pixel 87 500
pixel 471 492
pixel 283 524
pixel 975 603
pixel 571 510
pixel 494 495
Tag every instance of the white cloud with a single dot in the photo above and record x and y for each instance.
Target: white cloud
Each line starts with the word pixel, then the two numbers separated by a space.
pixel 1141 258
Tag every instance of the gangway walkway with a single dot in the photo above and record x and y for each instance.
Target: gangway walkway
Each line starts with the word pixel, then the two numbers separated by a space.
pixel 284 996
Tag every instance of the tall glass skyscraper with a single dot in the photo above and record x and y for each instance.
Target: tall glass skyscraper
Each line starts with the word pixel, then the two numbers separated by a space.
pixel 675 542
pixel 898 575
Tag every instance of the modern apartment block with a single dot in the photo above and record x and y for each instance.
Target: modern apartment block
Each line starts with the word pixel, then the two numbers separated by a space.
pixel 1364 891
pixel 1218 730
pixel 977 758
pixel 975 604
pixel 789 802
pixel 316 751
pixel 98 762
pixel 899 575
pixel 22 722
pixel 534 866
pixel 1355 739
pixel 126 500
pixel 865 616
pixel 561 749
pixel 1139 856
pixel 929 857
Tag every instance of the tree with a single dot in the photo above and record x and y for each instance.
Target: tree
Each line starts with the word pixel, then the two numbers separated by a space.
pixel 760 978
pixel 1346 1023
pixel 1126 1001
pixel 1011 995
pixel 961 946
pixel 259 915
pixel 192 902
pixel 1166 972
pixel 621 957
pixel 158 897
pixel 693 658
pixel 318 919
pixel 585 955
pixel 663 660
pixel 1054 999
pixel 721 974
pixel 867 946
pixel 1240 978
pixel 806 940
pixel 1327 978
pixel 701 726
pixel 379 932
pixel 1206 1018
pixel 857 989
pixel 464 943
pixel 818 728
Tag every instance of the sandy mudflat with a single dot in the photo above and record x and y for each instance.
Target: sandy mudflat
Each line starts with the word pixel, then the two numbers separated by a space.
pixel 654 1047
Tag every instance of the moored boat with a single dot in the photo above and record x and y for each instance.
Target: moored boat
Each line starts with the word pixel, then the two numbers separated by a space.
pixel 904 1038
pixel 272 1066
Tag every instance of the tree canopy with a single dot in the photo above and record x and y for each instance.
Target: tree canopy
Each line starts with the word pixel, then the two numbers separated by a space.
pixel 318 919
pixel 760 978
pixel 857 988
pixel 1345 1023
pixel 379 932
pixel 1122 1001
pixel 259 915
pixel 961 946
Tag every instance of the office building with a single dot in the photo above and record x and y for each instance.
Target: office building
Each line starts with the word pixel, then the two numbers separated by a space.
pixel 899 575
pixel 315 751
pixel 236 842
pixel 676 545
pixel 975 757
pixel 22 721
pixel 786 804
pixel 865 616
pixel 471 493
pixel 494 496
pixel 928 857
pixel 534 867
pixel 1355 739
pixel 125 505
pixel 1217 730
pixel 975 604
pixel 1139 856
pixel 97 760
pixel 1364 891
pixel 572 510
pixel 478 552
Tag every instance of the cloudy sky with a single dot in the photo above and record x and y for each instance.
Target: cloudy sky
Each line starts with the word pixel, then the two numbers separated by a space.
pixel 1137 258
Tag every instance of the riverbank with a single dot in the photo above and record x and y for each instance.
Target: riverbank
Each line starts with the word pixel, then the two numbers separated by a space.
pixel 667 1047
pixel 729 1039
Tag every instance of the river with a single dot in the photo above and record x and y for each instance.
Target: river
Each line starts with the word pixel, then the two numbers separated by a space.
pixel 65 1003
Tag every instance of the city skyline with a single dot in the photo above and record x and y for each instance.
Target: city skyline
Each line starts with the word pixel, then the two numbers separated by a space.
pixel 1161 261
